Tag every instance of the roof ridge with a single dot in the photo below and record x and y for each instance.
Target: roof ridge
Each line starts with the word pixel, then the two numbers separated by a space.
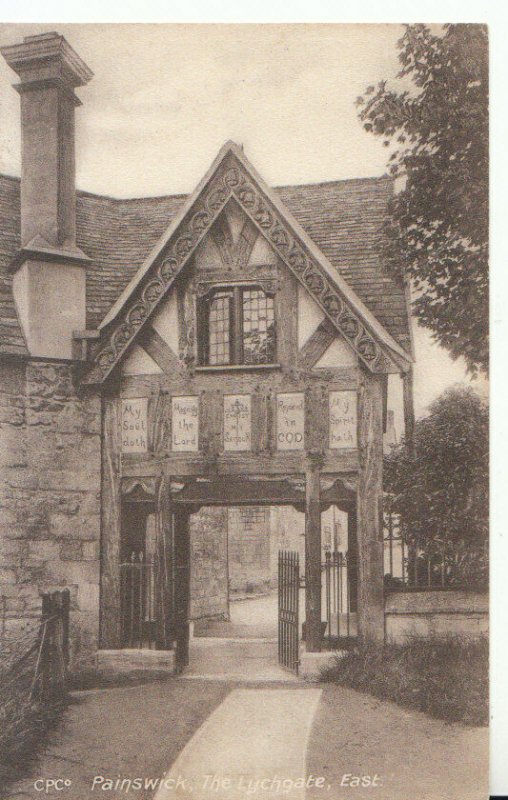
pixel 109 232
pixel 370 179
pixel 183 195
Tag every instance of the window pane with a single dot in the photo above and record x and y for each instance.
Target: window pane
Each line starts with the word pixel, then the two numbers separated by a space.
pixel 219 327
pixel 258 327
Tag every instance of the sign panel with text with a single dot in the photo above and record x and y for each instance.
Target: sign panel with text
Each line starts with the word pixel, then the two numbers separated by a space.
pixel 342 411
pixel 134 425
pixel 290 421
pixel 237 422
pixel 185 424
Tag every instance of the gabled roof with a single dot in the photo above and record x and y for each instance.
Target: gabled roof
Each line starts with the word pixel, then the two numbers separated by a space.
pixel 232 176
pixel 343 218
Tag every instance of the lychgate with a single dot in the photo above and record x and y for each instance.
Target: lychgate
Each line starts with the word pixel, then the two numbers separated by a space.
pixel 228 349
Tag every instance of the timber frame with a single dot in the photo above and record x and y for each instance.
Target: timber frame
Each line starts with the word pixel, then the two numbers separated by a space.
pixel 178 484
pixel 231 175
pixel 310 478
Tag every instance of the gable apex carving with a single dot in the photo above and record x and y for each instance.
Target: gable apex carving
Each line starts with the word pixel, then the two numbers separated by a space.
pixel 231 178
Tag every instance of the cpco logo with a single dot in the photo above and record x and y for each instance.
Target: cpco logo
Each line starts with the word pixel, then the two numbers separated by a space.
pixel 48 785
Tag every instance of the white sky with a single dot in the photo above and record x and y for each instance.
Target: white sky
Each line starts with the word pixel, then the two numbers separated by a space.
pixel 165 98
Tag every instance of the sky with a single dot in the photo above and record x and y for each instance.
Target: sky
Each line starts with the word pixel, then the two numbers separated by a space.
pixel 166 97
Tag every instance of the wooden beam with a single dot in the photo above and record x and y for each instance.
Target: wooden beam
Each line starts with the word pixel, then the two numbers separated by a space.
pixel 182 587
pixel 286 463
pixel 317 345
pixel 313 627
pixel 159 350
pixel 110 622
pixel 247 491
pixel 385 402
pixel 164 587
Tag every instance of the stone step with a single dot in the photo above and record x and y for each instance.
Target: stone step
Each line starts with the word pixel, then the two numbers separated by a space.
pixel 129 660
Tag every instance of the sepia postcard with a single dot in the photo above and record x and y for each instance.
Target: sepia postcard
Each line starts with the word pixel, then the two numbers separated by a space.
pixel 244 420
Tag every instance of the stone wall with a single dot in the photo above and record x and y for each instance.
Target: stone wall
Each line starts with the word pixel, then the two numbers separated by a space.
pixel 49 498
pixel 249 549
pixel 209 563
pixel 287 533
pixel 436 613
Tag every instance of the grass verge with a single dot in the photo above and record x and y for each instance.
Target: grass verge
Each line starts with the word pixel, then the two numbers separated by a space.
pixel 24 721
pixel 446 677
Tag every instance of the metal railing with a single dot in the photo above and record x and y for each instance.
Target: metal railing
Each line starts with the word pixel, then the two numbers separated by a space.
pixel 137 588
pixel 426 564
pixel 288 609
pixel 340 596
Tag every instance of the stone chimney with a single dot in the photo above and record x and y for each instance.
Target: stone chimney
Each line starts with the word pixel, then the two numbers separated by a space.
pixel 50 280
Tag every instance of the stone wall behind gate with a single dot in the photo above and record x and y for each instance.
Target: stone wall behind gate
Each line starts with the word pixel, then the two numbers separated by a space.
pixel 249 549
pixel 50 468
pixel 209 565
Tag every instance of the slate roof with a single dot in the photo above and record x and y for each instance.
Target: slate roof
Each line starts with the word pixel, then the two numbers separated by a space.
pixel 343 218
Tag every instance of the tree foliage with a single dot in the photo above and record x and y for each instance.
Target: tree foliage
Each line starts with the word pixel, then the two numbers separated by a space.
pixel 440 489
pixel 435 119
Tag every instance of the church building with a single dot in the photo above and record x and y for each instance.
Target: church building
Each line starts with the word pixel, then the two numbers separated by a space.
pixel 165 357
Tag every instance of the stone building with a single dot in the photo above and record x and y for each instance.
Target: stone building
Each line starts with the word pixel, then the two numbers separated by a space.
pixel 162 356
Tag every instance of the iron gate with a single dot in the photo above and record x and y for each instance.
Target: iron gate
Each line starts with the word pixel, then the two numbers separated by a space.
pixel 340 589
pixel 289 585
pixel 138 602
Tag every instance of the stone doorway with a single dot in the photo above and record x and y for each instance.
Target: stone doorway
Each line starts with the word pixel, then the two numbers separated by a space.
pixel 234 568
pixel 220 553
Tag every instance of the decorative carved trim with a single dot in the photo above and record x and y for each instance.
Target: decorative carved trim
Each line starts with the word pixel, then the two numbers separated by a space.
pixel 245 245
pixel 310 273
pixel 231 179
pixel 234 255
pixel 161 276
pixel 147 485
pixel 298 484
pixel 223 238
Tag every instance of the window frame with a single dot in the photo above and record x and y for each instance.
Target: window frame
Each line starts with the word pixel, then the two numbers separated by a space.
pixel 236 326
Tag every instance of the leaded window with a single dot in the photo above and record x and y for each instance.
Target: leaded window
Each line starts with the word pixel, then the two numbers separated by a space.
pixel 219 328
pixel 238 326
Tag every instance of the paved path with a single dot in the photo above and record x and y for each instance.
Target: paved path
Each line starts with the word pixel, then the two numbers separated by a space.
pixel 250 617
pixel 189 725
pixel 246 660
pixel 255 740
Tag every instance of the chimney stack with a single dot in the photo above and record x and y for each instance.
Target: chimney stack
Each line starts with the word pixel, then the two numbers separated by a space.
pixel 49 284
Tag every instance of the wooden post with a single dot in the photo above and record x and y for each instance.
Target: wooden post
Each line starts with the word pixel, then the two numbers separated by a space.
pixel 352 560
pixel 110 629
pixel 369 509
pixel 165 628
pixel 409 409
pixel 313 627
pixel 45 652
pixel 182 588
pixel 66 604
